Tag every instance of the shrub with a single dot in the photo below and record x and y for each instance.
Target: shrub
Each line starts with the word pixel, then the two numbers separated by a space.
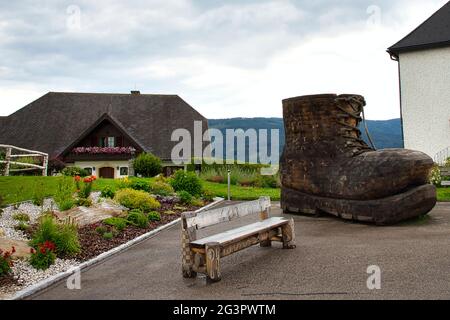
pixel 21 216
pixel 6 261
pixel 147 165
pixel 63 235
pixel 187 181
pixel 38 194
pixel 207 195
pixel 108 192
pixel 185 197
pixel 123 183
pixel 108 235
pixel 44 256
pixel 138 218
pixel 435 176
pixel 266 181
pixel 64 194
pixel 197 202
pixel 161 188
pixel 139 184
pixel 101 230
pixel 154 216
pixel 74 171
pixel 135 199
pixel 118 223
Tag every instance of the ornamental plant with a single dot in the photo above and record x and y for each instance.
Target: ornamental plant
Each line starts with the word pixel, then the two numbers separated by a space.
pixel 6 261
pixel 63 235
pixel 104 150
pixel 147 165
pixel 187 181
pixel 64 194
pixel 44 256
pixel 84 189
pixel 135 199
pixel 138 218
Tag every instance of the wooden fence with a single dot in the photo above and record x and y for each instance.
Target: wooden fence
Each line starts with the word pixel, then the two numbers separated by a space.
pixel 9 156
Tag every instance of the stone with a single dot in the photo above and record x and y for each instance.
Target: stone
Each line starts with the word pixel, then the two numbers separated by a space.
pixel 22 247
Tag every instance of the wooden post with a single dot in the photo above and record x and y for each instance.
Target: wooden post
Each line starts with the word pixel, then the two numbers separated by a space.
pixel 187 256
pixel 263 215
pixel 288 232
pixel 8 160
pixel 213 261
pixel 45 165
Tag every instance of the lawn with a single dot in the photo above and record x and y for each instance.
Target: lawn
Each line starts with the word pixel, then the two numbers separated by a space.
pixel 241 193
pixel 16 189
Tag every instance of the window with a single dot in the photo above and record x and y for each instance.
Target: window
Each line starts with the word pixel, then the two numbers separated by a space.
pixel 111 142
pixel 88 171
pixel 107 142
pixel 124 171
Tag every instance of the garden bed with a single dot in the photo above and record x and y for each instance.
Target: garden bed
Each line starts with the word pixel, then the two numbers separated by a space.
pixel 91 236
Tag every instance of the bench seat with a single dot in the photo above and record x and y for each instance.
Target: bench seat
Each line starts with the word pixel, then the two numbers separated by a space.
pixel 237 234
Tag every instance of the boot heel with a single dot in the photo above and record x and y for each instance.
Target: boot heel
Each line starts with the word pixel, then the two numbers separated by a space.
pixel 302 204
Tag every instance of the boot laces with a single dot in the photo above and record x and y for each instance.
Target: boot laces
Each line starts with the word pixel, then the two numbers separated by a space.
pixel 357 104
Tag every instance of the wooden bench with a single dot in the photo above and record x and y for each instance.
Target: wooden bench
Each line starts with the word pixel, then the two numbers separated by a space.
pixel 202 255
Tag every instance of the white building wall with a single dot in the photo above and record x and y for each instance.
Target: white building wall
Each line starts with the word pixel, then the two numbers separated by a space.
pixel 101 164
pixel 425 92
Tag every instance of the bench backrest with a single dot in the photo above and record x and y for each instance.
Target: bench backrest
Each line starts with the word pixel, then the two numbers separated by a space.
pixel 196 221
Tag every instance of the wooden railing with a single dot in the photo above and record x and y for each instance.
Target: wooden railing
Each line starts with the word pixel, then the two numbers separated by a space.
pixel 26 166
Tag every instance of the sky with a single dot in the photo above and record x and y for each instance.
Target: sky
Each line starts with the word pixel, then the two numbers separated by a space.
pixel 225 58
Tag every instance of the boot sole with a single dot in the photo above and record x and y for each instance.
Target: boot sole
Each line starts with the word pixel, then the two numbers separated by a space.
pixel 410 204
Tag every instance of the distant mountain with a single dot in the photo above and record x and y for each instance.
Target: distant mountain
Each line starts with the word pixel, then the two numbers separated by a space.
pixel 384 133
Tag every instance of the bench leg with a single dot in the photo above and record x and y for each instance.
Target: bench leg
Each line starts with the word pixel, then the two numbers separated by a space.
pixel 187 259
pixel 266 243
pixel 288 232
pixel 213 261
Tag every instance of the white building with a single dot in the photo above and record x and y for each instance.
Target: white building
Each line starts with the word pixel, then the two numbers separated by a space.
pixel 424 70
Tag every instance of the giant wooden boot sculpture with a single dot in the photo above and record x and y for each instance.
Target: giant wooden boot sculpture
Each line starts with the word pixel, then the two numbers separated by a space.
pixel 327 167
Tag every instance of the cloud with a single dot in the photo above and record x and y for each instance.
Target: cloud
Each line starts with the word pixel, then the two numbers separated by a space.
pixel 233 58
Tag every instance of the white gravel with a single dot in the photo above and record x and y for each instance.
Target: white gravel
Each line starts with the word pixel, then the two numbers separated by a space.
pixel 26 275
pixel 7 222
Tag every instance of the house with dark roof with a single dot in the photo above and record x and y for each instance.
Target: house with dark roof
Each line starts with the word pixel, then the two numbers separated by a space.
pixel 423 58
pixel 102 133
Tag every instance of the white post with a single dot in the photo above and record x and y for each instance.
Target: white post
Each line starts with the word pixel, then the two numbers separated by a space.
pixel 229 185
pixel 45 165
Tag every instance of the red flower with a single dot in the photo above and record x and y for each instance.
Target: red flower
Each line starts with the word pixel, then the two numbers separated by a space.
pixel 77 178
pixel 87 180
pixel 93 178
pixel 13 250
pixel 42 250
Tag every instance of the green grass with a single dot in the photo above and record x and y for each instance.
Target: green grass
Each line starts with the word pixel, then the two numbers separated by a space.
pixel 241 193
pixel 17 189
pixel 443 194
